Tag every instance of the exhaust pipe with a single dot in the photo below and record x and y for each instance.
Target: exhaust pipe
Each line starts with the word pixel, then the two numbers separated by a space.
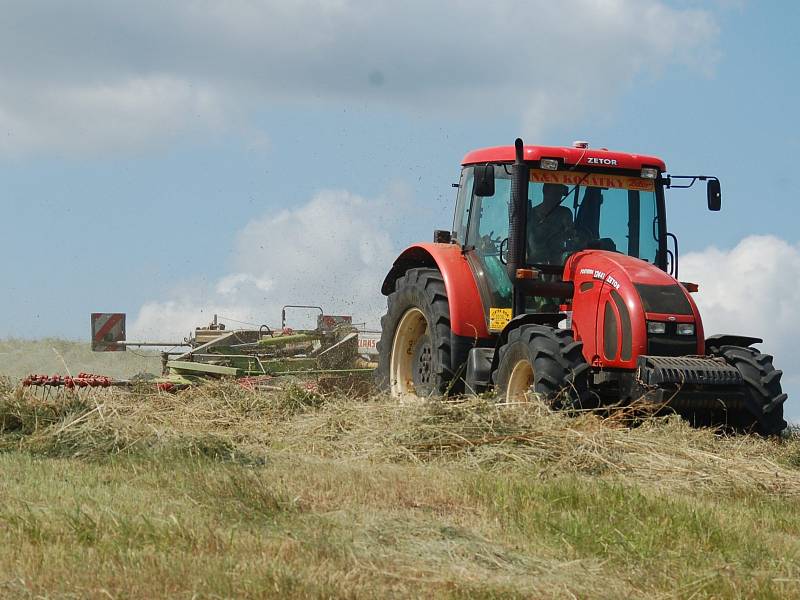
pixel 517 213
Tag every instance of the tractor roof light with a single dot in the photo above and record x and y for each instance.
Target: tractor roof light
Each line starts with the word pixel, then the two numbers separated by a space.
pixel 649 173
pixel 551 164
pixel 657 327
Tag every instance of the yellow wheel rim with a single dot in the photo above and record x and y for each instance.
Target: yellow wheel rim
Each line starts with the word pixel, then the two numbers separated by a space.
pixel 520 381
pixel 410 331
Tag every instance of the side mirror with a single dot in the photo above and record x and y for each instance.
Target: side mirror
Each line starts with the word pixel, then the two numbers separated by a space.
pixel 483 180
pixel 714 195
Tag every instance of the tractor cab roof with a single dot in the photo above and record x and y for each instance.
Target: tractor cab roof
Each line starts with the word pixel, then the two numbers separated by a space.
pixel 590 157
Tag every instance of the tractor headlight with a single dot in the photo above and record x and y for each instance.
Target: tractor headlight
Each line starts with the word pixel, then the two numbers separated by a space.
pixel 656 327
pixel 685 329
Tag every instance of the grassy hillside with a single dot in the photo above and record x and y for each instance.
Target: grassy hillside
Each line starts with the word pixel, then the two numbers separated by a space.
pixel 19 358
pixel 222 492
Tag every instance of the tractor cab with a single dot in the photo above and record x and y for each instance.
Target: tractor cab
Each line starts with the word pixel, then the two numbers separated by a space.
pixel 566 210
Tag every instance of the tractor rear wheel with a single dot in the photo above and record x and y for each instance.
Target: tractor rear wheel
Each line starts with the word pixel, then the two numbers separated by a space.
pixel 414 349
pixel 545 361
pixel 763 394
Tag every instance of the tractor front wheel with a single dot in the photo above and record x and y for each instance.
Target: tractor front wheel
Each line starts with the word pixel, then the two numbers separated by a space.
pixel 764 397
pixel 545 361
pixel 414 349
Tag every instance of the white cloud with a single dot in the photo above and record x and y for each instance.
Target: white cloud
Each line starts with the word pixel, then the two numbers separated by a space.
pixel 95 76
pixel 233 284
pixel 752 290
pixel 332 251
pixel 130 113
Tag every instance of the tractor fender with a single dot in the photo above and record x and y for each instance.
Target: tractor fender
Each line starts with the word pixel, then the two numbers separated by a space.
pixel 744 341
pixel 467 316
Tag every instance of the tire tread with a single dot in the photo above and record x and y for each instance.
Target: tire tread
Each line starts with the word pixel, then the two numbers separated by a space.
pixel 764 396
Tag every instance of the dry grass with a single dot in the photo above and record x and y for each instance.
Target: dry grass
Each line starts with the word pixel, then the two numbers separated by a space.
pixel 221 492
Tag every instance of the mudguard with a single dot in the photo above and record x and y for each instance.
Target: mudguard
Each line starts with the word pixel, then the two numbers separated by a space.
pixel 467 316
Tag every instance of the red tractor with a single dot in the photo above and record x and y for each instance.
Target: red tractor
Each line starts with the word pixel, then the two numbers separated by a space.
pixel 559 277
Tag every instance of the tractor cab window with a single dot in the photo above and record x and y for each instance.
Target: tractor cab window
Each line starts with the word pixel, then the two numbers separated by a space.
pixel 488 234
pixel 625 222
pixel 461 218
pixel 570 211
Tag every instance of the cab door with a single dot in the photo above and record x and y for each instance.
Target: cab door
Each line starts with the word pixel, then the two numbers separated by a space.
pixel 486 241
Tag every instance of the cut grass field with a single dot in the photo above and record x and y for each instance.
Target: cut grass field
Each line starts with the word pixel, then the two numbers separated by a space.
pixel 221 492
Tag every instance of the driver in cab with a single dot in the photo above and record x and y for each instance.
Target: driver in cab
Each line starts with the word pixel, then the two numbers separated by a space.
pixel 550 226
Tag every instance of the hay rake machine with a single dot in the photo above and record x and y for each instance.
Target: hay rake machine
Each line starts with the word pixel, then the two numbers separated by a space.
pixel 336 354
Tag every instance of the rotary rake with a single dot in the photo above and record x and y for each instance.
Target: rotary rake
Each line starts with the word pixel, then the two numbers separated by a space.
pixel 336 354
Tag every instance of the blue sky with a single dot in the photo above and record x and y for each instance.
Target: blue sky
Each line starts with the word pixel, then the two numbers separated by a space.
pixel 173 160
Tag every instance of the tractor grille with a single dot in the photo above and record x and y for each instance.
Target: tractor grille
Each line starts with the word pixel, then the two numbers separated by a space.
pixel 667 299
pixel 670 343
pixel 667 345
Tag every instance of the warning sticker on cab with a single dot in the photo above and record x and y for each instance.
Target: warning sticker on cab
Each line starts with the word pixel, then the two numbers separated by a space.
pixel 499 318
pixel 600 180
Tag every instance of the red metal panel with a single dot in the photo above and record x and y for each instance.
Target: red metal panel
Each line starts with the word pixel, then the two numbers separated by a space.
pixel 108 329
pixel 589 157
pixel 467 316
pixel 608 271
pixel 698 326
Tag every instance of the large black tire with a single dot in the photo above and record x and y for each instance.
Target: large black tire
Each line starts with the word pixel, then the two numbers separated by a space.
pixel 415 347
pixel 764 397
pixel 543 360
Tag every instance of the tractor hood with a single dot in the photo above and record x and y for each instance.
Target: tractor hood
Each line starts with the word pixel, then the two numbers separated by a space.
pixel 616 296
